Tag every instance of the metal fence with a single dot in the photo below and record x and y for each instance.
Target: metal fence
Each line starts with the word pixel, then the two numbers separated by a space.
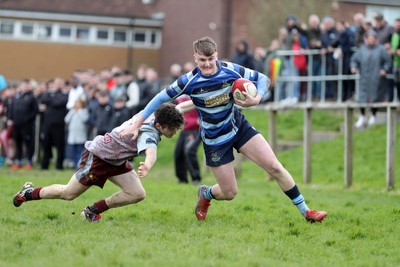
pixel 286 82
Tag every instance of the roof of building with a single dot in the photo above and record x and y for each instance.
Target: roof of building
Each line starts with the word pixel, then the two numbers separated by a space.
pixel 376 2
pixel 114 8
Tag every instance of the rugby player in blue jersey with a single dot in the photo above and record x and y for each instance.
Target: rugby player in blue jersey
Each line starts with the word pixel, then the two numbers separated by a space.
pixel 224 127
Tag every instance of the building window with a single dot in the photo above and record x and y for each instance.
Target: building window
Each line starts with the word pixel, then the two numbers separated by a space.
pixel 65 32
pixel 390 14
pixel 102 35
pixel 82 34
pixel 153 38
pixel 146 38
pixel 7 28
pixel 27 29
pixel 44 31
pixel 139 37
pixel 120 36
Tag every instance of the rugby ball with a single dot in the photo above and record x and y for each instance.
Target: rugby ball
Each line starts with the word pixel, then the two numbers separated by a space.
pixel 240 85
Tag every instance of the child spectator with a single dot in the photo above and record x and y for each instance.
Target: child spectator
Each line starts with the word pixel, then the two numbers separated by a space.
pixel 102 114
pixel 76 121
pixel 121 112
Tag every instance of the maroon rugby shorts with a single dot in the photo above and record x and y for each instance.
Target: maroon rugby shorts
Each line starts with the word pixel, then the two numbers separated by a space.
pixel 93 170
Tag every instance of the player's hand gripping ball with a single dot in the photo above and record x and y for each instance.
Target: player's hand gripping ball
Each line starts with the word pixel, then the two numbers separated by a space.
pixel 240 85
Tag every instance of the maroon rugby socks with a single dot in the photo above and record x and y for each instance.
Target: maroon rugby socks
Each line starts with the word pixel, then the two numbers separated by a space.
pixel 99 206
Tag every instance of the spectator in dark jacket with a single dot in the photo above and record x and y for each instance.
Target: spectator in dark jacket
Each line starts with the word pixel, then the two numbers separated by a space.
pixel 346 41
pixel 55 105
pixel 383 30
pixel 6 138
pixel 314 42
pixel 329 40
pixel 243 56
pixel 22 117
pixel 121 112
pixel 102 114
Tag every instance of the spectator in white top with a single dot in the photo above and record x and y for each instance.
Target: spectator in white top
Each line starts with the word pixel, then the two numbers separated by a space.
pixel 75 92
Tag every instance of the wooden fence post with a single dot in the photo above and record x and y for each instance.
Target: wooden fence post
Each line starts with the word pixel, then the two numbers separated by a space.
pixel 391 147
pixel 348 109
pixel 307 145
pixel 348 146
pixel 273 139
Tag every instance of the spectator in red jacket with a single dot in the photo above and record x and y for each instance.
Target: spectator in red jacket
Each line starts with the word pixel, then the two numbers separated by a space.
pixel 185 154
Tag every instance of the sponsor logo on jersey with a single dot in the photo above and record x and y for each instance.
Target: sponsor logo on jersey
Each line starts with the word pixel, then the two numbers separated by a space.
pixel 218 100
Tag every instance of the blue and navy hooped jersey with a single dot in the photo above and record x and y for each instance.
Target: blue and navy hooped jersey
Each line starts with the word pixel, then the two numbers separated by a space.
pixel 213 98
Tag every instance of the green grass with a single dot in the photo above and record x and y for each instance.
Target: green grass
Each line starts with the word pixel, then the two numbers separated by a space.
pixel 259 228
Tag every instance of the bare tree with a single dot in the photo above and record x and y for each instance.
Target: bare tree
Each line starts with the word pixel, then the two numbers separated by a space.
pixel 268 16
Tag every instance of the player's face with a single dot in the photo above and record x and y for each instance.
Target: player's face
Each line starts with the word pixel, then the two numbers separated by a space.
pixel 166 131
pixel 206 64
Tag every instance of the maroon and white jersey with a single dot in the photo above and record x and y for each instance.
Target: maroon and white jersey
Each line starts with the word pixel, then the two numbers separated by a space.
pixel 114 150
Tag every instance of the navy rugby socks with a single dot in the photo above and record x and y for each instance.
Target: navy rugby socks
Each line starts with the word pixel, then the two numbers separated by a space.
pixel 297 199
pixel 208 194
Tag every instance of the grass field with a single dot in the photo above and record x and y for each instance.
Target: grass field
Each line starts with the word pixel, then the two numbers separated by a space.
pixel 259 228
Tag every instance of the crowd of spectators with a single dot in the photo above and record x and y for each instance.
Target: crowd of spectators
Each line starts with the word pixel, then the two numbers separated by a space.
pixel 62 114
pixel 324 45
pixel 89 103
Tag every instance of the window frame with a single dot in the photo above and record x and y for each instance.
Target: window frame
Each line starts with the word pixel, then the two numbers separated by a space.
pixel 31 35
pixel 87 38
pixel 56 32
pixel 118 42
pixel 44 26
pixel 13 26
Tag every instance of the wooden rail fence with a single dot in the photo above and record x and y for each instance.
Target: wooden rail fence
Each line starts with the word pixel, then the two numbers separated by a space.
pixel 348 109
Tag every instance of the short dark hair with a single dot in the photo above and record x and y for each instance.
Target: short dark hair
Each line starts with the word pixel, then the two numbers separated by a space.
pixel 379 16
pixel 168 116
pixel 205 46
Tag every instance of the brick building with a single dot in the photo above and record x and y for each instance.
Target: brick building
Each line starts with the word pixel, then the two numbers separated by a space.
pixel 47 38
pixel 347 8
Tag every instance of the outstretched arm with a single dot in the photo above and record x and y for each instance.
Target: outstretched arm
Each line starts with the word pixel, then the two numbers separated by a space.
pixel 185 106
pixel 133 129
pixel 150 160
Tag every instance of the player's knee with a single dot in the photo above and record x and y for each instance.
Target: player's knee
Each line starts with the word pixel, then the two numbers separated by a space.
pixel 141 196
pixel 275 168
pixel 69 196
pixel 137 196
pixel 230 194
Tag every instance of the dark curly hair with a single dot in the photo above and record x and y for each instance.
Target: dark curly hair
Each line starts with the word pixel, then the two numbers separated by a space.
pixel 168 116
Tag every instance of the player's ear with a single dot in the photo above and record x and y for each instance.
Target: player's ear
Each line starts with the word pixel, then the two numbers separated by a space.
pixel 195 58
pixel 216 55
pixel 158 126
